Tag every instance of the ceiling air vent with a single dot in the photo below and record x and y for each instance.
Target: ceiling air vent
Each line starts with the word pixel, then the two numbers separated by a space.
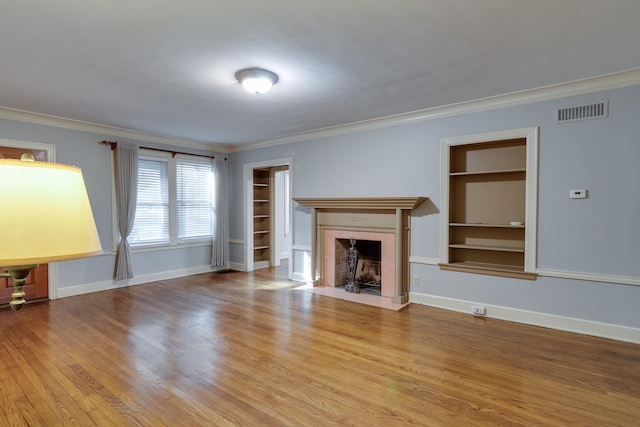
pixel 582 112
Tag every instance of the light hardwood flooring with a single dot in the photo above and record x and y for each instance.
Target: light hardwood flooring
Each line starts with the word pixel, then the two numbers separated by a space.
pixel 242 349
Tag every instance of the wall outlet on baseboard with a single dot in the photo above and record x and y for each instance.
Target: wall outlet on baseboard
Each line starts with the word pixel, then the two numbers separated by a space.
pixel 478 310
pixel 416 280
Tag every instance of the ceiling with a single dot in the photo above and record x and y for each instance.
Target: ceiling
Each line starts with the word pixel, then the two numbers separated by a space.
pixel 167 67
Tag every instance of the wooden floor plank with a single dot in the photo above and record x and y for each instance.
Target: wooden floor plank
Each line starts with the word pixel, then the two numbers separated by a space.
pixel 248 349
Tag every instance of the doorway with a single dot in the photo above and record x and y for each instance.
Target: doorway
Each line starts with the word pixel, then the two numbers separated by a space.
pixel 267 208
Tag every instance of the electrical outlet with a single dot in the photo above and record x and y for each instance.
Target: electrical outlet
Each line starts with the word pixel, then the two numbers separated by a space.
pixel 478 310
pixel 416 280
pixel 578 194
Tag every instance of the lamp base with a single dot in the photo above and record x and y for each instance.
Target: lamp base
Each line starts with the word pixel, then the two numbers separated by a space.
pixel 19 274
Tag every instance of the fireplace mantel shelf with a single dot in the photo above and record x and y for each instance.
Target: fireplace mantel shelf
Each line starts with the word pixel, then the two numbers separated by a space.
pixel 361 202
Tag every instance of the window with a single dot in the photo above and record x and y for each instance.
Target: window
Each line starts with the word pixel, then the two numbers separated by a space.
pixel 195 199
pixel 151 225
pixel 175 200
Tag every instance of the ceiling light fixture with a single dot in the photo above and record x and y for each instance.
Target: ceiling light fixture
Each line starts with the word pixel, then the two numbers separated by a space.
pixel 256 80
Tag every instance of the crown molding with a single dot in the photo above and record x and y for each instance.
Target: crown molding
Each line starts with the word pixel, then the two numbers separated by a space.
pixel 111 131
pixel 547 93
pixel 573 88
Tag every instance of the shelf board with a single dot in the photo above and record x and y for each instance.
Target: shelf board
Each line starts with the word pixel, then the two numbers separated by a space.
pixel 256 248
pixel 486 248
pixel 261 232
pixel 259 184
pixel 479 224
pixel 492 172
pixel 261 216
pixel 515 272
pixel 261 200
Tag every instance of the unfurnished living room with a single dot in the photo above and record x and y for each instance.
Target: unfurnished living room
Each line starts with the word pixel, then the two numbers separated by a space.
pixel 295 213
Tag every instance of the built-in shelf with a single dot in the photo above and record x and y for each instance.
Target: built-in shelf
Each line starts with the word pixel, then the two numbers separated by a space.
pixel 487 248
pixel 460 224
pixel 488 172
pixel 489 269
pixel 262 196
pixel 487 184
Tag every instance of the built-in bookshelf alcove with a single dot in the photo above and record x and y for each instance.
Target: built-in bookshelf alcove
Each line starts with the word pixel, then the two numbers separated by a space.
pixel 489 194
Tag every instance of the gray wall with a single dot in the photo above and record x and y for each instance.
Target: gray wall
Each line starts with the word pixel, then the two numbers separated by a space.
pixel 595 236
pixel 82 149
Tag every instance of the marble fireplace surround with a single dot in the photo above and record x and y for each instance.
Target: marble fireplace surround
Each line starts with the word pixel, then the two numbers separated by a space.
pixel 382 218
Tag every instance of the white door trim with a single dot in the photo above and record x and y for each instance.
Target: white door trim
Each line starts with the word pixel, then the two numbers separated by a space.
pixel 248 204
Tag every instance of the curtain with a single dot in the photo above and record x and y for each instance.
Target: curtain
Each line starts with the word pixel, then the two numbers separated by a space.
pixel 126 175
pixel 220 217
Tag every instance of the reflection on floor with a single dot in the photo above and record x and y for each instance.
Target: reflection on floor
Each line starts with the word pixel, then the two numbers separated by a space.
pixel 281 273
pixel 362 298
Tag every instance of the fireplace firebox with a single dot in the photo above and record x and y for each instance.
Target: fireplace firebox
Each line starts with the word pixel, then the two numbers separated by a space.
pixel 359 265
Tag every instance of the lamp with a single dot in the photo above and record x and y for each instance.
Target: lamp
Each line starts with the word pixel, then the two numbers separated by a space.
pixel 46 216
pixel 256 80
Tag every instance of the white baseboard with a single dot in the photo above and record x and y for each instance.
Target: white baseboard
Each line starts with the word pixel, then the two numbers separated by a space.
pixel 299 277
pixel 569 324
pixel 237 266
pixel 261 264
pixel 137 280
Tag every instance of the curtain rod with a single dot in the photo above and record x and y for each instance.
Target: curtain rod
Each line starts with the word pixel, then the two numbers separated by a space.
pixel 113 145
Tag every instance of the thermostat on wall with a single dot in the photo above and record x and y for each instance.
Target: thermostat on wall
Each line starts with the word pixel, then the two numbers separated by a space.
pixel 578 194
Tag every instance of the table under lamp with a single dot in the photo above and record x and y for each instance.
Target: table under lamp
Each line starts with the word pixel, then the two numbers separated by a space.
pixel 46 216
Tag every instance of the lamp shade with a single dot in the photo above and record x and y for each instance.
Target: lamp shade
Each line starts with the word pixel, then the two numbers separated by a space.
pixel 45 215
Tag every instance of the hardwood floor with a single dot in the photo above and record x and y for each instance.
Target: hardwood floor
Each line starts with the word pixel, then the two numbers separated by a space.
pixel 242 349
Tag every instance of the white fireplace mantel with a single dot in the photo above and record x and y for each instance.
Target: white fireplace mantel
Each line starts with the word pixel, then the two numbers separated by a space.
pixel 377 214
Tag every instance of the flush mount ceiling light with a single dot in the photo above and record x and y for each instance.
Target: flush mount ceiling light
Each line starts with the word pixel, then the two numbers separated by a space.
pixel 256 80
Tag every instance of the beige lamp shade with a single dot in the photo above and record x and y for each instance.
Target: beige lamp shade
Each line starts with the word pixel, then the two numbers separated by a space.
pixel 45 214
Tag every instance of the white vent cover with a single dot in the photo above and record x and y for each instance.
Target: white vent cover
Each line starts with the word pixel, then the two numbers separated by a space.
pixel 582 112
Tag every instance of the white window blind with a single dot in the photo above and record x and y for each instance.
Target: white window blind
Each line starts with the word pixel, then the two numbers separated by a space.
pixel 151 225
pixel 194 197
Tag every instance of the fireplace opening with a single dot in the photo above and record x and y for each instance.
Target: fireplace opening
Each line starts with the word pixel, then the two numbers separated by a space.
pixel 359 265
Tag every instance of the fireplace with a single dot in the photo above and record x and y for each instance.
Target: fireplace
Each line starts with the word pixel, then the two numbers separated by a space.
pixel 383 220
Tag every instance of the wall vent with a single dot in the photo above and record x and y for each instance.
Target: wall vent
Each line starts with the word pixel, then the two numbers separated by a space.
pixel 582 112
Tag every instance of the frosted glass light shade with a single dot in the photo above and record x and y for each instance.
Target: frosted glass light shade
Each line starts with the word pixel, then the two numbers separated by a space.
pixel 256 80
pixel 257 85
pixel 46 215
